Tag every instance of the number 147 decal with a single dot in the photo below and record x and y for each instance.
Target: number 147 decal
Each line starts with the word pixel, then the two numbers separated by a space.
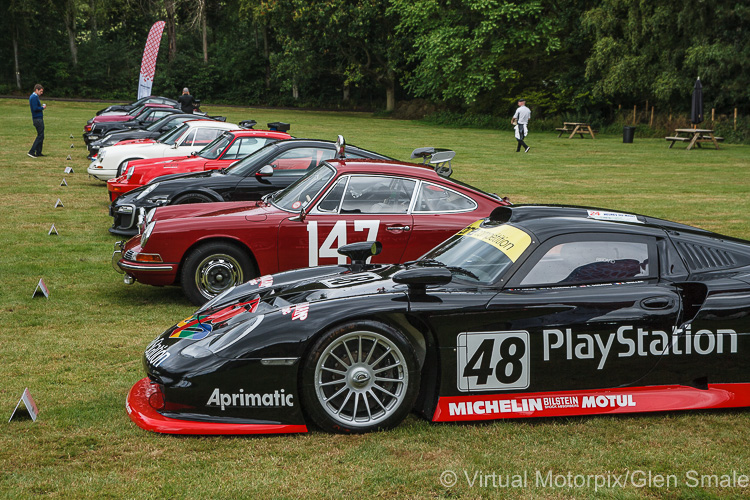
pixel 492 361
pixel 336 238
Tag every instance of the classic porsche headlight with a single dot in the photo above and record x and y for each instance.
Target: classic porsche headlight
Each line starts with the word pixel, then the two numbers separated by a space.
pixel 130 173
pixel 102 153
pixel 147 191
pixel 150 215
pixel 147 233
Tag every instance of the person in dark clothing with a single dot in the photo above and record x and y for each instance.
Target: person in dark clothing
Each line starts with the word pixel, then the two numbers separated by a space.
pixel 37 117
pixel 187 103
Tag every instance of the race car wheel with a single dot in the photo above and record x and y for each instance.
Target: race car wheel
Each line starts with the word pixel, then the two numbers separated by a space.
pixel 192 198
pixel 212 268
pixel 360 377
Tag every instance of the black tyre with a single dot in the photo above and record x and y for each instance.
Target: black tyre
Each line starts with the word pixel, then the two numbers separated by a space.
pixel 359 378
pixel 192 198
pixel 212 268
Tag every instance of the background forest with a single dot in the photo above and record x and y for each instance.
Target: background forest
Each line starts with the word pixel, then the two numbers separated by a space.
pixel 460 61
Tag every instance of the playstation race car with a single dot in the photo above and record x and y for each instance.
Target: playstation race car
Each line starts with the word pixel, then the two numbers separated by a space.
pixel 269 169
pixel 221 153
pixel 209 247
pixel 535 311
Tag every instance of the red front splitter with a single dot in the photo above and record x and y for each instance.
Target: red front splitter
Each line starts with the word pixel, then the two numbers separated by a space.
pixel 146 417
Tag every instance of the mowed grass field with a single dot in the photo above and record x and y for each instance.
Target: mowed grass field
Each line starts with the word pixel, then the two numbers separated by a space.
pixel 80 351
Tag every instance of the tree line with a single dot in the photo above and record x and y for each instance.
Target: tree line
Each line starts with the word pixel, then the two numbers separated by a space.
pixel 466 56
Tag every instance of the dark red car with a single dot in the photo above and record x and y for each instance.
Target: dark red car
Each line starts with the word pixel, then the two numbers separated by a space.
pixel 210 247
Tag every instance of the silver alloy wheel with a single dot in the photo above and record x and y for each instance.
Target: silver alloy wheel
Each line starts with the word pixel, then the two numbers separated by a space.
pixel 361 379
pixel 216 273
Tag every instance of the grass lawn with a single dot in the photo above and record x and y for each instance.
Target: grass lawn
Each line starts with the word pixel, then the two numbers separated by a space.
pixel 80 351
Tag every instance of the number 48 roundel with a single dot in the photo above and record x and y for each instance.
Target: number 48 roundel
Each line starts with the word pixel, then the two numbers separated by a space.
pixel 492 361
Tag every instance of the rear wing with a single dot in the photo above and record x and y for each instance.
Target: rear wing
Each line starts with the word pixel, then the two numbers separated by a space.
pixel 438 158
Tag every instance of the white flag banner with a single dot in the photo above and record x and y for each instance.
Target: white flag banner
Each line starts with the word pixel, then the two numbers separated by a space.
pixel 148 64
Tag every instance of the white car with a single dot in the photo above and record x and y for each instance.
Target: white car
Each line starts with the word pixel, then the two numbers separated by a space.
pixel 181 141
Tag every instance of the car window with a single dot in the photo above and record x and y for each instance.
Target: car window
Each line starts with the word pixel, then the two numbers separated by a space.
pixel 590 262
pixel 187 139
pixel 301 158
pixel 203 136
pixel 170 137
pixel 371 194
pixel 332 200
pixel 434 198
pixel 244 146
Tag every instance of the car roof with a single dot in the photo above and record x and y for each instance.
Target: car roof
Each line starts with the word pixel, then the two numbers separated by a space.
pixel 548 220
pixel 392 167
pixel 260 133
pixel 156 105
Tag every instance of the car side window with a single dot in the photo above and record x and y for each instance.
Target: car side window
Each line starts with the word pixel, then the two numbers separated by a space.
pixel 301 158
pixel 204 136
pixel 378 195
pixel 332 200
pixel 434 198
pixel 188 139
pixel 578 262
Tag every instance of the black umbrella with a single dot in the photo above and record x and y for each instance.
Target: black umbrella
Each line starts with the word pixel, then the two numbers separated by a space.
pixel 696 113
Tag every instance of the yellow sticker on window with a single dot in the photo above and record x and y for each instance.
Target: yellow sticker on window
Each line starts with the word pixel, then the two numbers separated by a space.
pixel 508 239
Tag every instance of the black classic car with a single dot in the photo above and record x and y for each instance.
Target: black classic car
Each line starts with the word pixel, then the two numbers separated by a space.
pixel 535 311
pixel 140 102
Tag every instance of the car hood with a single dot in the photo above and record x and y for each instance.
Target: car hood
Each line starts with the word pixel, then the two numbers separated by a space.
pixel 251 209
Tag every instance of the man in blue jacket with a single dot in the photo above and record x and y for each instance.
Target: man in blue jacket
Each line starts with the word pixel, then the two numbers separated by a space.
pixel 37 116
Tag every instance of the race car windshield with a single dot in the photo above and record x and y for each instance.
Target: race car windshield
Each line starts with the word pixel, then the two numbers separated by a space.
pixel 174 134
pixel 480 253
pixel 305 189
pixel 154 127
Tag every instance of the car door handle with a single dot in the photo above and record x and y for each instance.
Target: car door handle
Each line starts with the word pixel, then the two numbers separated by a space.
pixel 398 228
pixel 654 303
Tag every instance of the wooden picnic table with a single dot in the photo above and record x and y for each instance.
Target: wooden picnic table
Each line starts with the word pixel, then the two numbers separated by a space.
pixel 694 136
pixel 576 128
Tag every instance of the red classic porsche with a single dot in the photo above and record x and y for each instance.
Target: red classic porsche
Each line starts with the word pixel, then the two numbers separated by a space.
pixel 222 152
pixel 210 247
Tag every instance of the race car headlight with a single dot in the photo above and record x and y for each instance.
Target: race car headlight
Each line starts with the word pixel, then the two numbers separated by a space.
pixel 130 173
pixel 102 153
pixel 147 191
pixel 147 233
pixel 150 215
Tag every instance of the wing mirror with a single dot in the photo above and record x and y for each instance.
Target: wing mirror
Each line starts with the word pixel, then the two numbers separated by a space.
pixel 359 252
pixel 419 278
pixel 265 171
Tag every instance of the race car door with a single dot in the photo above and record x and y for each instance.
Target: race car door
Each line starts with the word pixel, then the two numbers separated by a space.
pixel 355 208
pixel 583 312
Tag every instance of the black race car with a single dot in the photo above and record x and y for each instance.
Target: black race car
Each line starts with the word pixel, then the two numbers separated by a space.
pixel 151 131
pixel 535 311
pixel 143 100
pixel 269 169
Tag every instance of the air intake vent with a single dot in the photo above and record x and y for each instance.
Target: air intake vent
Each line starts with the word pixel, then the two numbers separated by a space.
pixel 703 258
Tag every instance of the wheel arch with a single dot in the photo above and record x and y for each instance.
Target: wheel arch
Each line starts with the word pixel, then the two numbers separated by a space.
pixel 214 239
pixel 204 191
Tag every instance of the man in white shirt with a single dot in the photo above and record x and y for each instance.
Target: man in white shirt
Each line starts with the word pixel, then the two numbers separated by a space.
pixel 521 121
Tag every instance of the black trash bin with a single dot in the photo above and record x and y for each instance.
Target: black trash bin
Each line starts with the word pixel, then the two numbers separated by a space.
pixel 627 134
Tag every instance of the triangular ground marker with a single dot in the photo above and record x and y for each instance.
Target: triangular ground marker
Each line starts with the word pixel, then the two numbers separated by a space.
pixel 64 183
pixel 72 146
pixel 59 203
pixel 69 170
pixel 53 231
pixel 29 406
pixel 68 158
pixel 41 288
pixel 71 136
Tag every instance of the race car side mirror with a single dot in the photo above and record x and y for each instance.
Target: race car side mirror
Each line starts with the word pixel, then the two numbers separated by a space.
pixel 359 252
pixel 419 278
pixel 265 171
